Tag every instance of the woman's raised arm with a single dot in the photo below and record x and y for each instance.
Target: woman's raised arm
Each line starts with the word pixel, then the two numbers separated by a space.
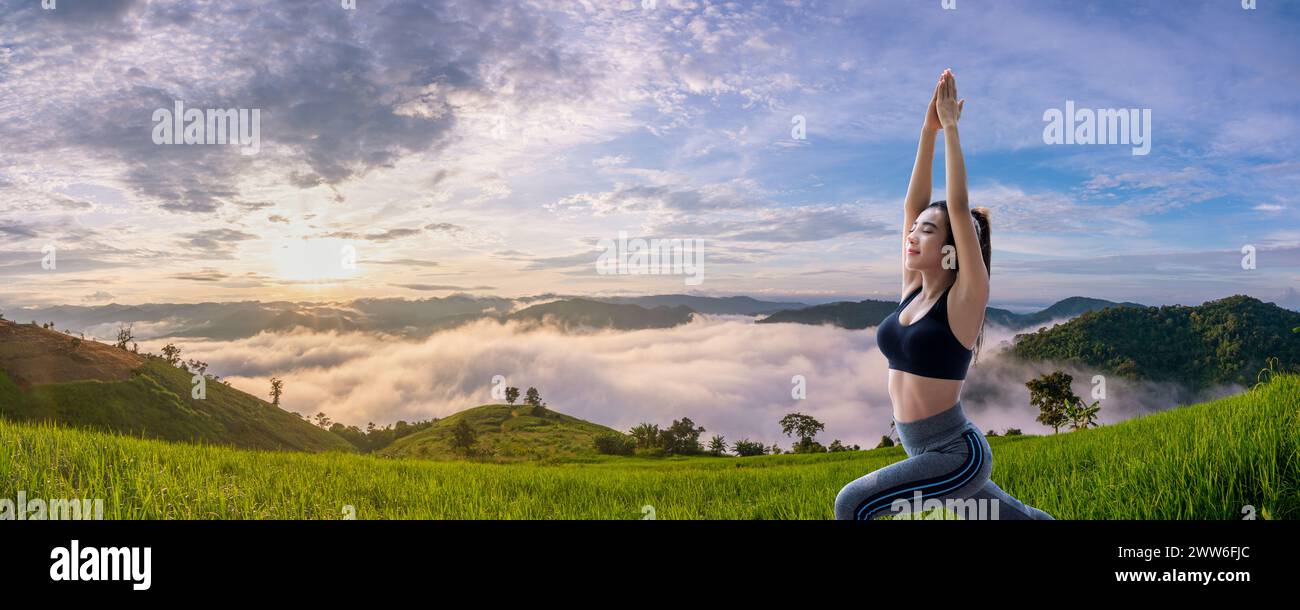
pixel 972 285
pixel 918 190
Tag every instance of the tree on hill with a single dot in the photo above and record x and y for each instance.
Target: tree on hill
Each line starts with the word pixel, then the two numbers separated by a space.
pixel 646 435
pixel 124 335
pixel 1051 393
pixel 745 447
pixel 885 441
pixel 171 353
pixel 534 399
pixel 512 394
pixel 277 389
pixel 196 366
pixel 681 438
pixel 323 420
pixel 463 438
pixel 374 438
pixel 717 445
pixel 836 445
pixel 1082 416
pixel 805 427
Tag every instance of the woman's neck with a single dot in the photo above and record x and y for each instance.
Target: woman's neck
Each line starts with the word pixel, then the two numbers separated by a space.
pixel 934 282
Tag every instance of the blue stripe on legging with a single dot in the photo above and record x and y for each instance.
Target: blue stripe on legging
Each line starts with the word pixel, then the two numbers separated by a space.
pixel 977 459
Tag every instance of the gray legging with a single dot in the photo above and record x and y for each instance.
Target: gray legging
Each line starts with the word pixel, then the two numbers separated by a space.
pixel 949 460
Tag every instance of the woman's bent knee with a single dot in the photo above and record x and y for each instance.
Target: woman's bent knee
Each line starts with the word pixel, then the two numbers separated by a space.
pixel 851 495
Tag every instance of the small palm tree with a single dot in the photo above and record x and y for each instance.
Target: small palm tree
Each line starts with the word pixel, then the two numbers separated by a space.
pixel 1081 416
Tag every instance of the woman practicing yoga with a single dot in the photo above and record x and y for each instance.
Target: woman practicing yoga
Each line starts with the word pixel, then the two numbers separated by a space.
pixel 945 291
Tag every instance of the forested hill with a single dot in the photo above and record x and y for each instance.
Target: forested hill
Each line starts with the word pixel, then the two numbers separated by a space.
pixel 1223 341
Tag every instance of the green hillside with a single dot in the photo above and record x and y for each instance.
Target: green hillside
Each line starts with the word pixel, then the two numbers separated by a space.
pixel 156 403
pixel 505 433
pixel 44 377
pixel 1223 341
pixel 1225 459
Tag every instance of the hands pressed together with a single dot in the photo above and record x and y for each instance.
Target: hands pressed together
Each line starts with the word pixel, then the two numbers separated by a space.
pixel 945 108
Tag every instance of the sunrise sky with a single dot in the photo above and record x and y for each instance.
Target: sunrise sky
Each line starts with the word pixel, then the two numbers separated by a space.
pixel 486 146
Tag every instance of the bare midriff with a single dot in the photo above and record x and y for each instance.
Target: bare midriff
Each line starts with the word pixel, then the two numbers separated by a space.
pixel 916 397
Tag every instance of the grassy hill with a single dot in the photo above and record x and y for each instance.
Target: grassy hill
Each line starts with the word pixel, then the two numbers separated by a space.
pixel 505 433
pixel 1205 461
pixel 43 377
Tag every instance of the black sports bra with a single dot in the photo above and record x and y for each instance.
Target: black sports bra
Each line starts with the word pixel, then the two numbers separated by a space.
pixel 926 347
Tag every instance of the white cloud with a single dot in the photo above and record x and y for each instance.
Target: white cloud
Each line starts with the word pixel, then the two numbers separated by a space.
pixel 727 374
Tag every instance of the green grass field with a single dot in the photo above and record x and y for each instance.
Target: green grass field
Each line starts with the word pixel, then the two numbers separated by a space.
pixel 156 401
pixel 1205 461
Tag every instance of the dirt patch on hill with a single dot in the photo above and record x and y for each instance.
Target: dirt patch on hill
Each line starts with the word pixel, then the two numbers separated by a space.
pixel 31 355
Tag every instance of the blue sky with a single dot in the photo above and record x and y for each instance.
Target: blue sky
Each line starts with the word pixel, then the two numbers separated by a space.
pixel 487 146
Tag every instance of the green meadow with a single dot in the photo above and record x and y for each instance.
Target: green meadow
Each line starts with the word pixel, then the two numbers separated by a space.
pixel 1205 461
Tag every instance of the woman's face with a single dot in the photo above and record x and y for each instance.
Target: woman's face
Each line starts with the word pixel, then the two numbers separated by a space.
pixel 923 247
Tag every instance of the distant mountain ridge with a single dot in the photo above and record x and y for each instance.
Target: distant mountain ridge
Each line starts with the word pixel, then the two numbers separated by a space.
pixel 737 305
pixel 871 312
pixel 417 318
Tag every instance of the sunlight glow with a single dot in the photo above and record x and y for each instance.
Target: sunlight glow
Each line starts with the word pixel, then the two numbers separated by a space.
pixel 315 259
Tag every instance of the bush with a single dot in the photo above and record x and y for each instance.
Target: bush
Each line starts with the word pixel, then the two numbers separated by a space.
pixel 746 447
pixel 808 445
pixel 611 443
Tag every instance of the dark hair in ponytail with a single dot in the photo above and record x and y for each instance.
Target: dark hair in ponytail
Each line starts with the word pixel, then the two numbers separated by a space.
pixel 981 218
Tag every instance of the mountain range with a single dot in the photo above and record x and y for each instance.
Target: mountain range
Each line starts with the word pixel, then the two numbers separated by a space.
pixel 870 312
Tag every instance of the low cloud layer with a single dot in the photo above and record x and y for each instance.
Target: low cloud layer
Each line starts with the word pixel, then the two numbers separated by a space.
pixel 727 374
